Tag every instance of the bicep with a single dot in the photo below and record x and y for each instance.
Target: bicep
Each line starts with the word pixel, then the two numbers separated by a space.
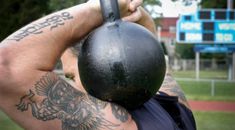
pixel 52 103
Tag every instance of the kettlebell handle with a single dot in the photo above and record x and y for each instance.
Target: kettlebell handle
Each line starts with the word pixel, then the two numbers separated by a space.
pixel 110 10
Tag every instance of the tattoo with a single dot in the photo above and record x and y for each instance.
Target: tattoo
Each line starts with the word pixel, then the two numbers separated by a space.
pixel 171 87
pixel 37 28
pixel 76 110
pixel 119 113
pixel 99 104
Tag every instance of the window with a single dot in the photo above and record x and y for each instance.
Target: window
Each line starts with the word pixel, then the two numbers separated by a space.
pixel 172 29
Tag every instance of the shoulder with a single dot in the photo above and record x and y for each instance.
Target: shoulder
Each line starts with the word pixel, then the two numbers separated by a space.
pixel 172 88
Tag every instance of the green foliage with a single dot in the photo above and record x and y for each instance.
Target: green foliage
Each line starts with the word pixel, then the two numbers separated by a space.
pixel 61 4
pixel 151 2
pixel 215 4
pixel 213 55
pixel 185 51
pixel 17 13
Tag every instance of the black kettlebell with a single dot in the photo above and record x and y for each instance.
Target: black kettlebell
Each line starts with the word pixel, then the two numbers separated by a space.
pixel 121 61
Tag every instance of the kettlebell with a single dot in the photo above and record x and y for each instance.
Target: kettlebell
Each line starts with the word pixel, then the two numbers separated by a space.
pixel 120 61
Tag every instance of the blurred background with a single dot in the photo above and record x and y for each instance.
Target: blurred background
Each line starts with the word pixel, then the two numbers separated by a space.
pixel 197 35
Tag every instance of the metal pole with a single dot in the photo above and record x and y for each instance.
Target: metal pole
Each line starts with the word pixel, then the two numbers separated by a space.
pixel 229 4
pixel 233 67
pixel 197 64
pixel 159 34
pixel 230 7
pixel 212 88
pixel 230 69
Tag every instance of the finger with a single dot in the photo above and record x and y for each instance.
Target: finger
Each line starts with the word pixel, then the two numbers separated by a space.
pixel 135 4
pixel 134 17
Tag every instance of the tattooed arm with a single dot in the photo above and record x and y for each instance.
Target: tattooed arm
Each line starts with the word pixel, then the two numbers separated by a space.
pixel 29 55
pixel 74 109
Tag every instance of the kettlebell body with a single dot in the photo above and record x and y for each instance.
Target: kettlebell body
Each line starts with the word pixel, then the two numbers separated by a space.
pixel 122 62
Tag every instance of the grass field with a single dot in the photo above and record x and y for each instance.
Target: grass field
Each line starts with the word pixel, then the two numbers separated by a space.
pixel 221 74
pixel 201 90
pixel 215 120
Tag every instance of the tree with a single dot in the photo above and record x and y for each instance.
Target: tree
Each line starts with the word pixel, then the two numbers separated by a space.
pixel 185 51
pixel 61 4
pixel 215 4
pixel 17 13
pixel 151 2
pixel 149 6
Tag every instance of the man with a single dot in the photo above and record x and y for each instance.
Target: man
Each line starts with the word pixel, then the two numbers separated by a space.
pixel 37 99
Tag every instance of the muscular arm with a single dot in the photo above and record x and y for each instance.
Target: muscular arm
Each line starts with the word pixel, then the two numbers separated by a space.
pixel 32 95
pixel 46 38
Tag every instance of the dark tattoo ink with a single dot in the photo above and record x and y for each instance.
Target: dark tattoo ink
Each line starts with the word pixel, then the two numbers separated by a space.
pixel 76 110
pixel 120 113
pixel 99 104
pixel 36 28
pixel 27 99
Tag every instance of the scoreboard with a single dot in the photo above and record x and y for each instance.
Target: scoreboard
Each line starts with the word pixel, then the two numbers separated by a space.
pixel 207 26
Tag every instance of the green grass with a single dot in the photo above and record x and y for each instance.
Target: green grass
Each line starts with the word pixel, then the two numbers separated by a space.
pixel 201 90
pixel 215 120
pixel 222 74
pixel 7 124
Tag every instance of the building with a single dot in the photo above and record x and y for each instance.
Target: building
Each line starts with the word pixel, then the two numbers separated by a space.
pixel 167 35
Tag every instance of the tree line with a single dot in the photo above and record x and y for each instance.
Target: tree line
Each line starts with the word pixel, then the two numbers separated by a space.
pixel 17 13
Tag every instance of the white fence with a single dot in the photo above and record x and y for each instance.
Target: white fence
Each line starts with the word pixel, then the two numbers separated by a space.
pixel 211 81
pixel 205 64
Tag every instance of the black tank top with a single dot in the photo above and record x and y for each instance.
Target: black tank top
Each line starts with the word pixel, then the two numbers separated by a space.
pixel 163 113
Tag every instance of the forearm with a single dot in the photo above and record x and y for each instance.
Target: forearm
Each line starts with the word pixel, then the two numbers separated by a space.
pixel 72 19
pixel 46 38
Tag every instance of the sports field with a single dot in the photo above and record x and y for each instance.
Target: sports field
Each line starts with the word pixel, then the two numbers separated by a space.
pixel 195 90
pixel 202 90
